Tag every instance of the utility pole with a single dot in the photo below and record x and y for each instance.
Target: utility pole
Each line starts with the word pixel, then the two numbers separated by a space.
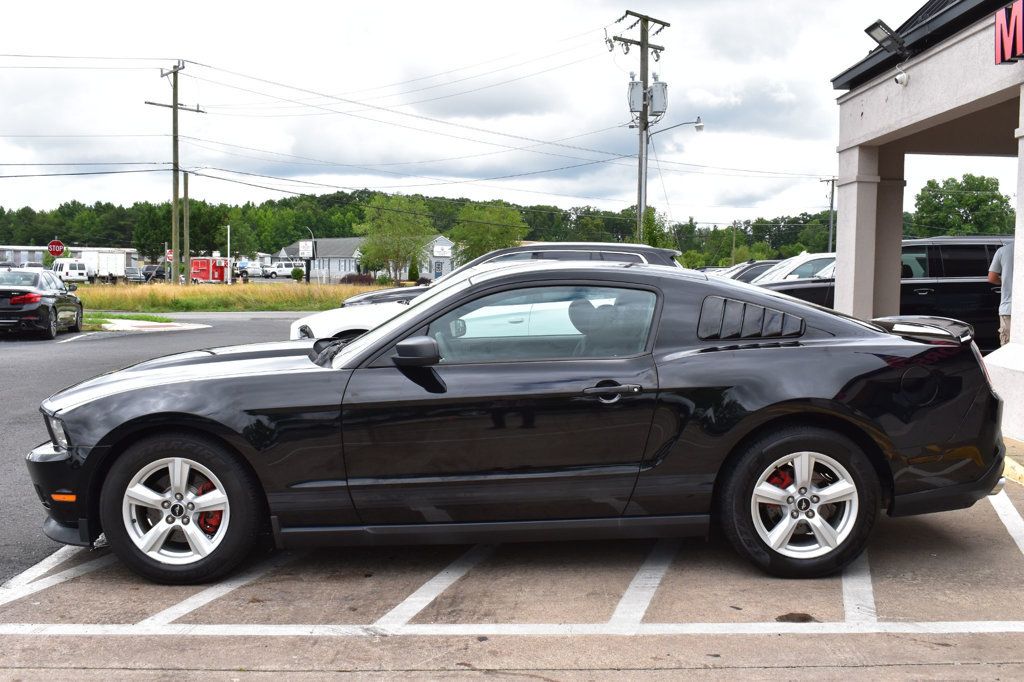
pixel 643 122
pixel 185 250
pixel 831 212
pixel 174 106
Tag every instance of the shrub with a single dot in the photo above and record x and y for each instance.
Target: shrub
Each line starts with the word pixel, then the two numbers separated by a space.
pixel 384 280
pixel 353 278
pixel 298 274
pixel 414 271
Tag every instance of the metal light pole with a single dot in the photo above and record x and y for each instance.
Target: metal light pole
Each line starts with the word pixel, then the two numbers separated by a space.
pixel 698 125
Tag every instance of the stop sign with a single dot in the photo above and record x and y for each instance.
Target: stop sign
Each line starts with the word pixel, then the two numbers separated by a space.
pixel 56 247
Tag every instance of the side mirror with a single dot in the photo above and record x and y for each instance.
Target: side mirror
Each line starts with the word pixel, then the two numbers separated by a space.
pixel 417 351
pixel 72 287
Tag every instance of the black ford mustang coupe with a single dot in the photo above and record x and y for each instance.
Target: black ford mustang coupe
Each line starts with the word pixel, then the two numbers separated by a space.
pixel 532 402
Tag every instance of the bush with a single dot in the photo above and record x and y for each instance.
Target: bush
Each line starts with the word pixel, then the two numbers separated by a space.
pixel 384 280
pixel 414 271
pixel 424 280
pixel 353 278
pixel 298 274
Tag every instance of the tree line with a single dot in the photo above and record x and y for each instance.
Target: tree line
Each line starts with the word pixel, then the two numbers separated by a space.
pixel 397 226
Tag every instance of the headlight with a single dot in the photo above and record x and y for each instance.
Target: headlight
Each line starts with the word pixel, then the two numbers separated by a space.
pixel 57 433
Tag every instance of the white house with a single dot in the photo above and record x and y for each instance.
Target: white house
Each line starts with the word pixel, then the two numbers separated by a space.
pixel 340 256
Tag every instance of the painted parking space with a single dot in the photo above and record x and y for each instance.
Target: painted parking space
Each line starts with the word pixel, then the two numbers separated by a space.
pixel 953 574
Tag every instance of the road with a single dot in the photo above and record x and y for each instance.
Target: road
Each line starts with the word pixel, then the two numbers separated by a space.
pixel 33 369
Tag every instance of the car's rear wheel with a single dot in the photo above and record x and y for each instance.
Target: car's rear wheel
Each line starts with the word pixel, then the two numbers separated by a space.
pixel 800 502
pixel 77 326
pixel 50 330
pixel 180 509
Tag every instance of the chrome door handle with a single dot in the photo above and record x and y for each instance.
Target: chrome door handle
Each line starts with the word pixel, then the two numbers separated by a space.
pixel 923 292
pixel 997 290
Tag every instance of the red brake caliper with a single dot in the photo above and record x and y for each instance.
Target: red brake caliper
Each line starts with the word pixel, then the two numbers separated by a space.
pixel 781 479
pixel 208 521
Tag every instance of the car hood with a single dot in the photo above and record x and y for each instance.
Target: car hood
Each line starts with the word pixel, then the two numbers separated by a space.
pixel 330 323
pixel 199 365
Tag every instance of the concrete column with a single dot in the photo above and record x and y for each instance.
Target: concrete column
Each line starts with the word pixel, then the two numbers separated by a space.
pixel 1006 365
pixel 855 233
pixel 889 234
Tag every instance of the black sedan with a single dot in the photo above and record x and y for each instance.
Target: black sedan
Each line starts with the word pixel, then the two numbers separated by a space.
pixel 33 300
pixel 532 402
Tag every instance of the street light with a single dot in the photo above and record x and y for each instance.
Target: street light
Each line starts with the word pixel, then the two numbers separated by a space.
pixel 698 125
pixel 886 38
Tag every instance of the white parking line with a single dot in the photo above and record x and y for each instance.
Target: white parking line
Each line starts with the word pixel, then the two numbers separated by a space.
pixel 1010 517
pixel 200 599
pixel 13 594
pixel 633 605
pixel 515 630
pixel 46 565
pixel 432 589
pixel 858 593
pixel 75 338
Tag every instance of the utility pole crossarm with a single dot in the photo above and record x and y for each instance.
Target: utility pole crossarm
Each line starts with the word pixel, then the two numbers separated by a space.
pixel 630 41
pixel 181 107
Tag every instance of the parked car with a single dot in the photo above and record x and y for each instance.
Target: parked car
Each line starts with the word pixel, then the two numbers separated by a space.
pixel 281 269
pixel 670 399
pixel 804 266
pixel 134 275
pixel 35 300
pixel 555 251
pixel 33 264
pixel 70 270
pixel 941 276
pixel 154 273
pixel 8 264
pixel 745 271
pixel 249 269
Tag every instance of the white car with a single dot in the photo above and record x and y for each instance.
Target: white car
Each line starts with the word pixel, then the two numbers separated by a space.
pixel 804 266
pixel 352 321
pixel 250 269
pixel 282 269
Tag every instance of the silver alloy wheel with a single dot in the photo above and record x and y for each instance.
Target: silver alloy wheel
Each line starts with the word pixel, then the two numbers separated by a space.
pixel 53 322
pixel 164 510
pixel 804 505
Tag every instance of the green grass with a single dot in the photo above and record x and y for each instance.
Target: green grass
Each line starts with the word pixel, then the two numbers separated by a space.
pixel 93 322
pixel 169 298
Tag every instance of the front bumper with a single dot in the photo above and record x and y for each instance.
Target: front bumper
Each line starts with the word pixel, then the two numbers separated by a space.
pixel 56 471
pixel 951 497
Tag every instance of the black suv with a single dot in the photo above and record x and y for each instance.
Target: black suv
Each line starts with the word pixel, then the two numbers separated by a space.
pixel 575 251
pixel 943 276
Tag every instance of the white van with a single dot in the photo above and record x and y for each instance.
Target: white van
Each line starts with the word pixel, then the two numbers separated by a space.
pixel 71 269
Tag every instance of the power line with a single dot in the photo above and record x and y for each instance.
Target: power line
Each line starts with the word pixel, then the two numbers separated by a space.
pixel 109 172
pixel 92 163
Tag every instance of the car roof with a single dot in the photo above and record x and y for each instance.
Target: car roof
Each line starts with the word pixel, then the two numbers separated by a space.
pixel 964 239
pixel 583 268
pixel 590 246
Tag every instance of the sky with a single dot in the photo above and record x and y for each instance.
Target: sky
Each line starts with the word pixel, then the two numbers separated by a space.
pixel 516 101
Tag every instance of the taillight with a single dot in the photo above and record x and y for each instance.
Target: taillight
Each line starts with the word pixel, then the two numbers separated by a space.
pixel 981 361
pixel 26 298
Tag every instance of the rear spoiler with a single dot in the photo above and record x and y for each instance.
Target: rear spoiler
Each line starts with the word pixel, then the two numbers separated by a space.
pixel 927 328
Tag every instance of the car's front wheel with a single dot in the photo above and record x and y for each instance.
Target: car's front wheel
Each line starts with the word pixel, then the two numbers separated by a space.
pixel 180 509
pixel 800 502
pixel 273 275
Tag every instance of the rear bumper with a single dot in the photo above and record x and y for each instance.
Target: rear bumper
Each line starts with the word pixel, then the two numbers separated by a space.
pixel 952 497
pixel 34 318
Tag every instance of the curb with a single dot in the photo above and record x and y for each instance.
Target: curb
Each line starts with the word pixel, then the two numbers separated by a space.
pixel 1013 470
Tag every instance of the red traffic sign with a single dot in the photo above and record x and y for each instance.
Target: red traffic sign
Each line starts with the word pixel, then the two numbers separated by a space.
pixel 56 247
pixel 170 254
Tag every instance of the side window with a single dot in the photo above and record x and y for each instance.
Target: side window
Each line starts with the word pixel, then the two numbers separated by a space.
pixel 964 260
pixel 564 255
pixel 518 255
pixel 621 257
pixel 914 263
pixel 546 323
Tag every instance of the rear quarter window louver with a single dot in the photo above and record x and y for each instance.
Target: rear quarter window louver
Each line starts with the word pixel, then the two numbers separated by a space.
pixel 725 318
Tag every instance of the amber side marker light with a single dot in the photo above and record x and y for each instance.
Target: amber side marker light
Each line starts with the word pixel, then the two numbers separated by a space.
pixel 64 497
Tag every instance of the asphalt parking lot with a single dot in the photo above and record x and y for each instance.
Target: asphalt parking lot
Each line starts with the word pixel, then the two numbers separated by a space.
pixel 935 596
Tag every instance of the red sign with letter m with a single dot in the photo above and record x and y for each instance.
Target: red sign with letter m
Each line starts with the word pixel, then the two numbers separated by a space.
pixel 1010 33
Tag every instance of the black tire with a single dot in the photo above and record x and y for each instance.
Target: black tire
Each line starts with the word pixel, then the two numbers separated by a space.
pixel 77 326
pixel 245 501
pixel 50 332
pixel 734 501
pixel 273 275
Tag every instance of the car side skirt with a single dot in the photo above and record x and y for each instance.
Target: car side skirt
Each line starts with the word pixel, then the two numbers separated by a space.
pixel 689 525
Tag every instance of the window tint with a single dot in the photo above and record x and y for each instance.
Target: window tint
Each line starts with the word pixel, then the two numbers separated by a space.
pixel 964 260
pixel 546 323
pixel 621 257
pixel 914 263
pixel 18 279
pixel 518 255
pixel 564 255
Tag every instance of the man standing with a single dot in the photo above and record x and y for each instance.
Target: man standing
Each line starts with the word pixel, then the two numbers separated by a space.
pixel 1001 273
